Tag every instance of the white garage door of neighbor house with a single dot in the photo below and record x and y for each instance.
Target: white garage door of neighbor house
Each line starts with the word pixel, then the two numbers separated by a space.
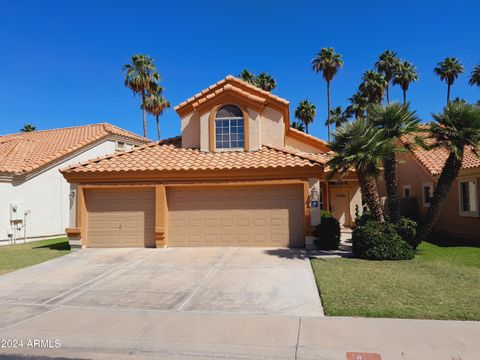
pixel 236 216
pixel 120 218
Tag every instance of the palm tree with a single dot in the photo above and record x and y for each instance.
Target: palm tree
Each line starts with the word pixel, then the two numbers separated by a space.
pixel 139 77
pixel 265 82
pixel 155 104
pixel 448 71
pixel 338 117
pixel 456 128
pixel 305 112
pixel 300 126
pixel 475 76
pixel 373 86
pixel 358 105
pixel 327 62
pixel 247 76
pixel 404 76
pixel 396 121
pixel 387 65
pixel 28 128
pixel 361 147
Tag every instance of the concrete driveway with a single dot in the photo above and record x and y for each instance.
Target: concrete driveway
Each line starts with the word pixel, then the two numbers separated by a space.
pixel 226 280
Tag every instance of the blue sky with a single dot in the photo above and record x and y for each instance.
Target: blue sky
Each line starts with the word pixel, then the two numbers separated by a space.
pixel 61 61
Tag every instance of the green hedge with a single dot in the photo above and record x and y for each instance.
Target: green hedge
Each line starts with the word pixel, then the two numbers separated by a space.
pixel 327 233
pixel 375 240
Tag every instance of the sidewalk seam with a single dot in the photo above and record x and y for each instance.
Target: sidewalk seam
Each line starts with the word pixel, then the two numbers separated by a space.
pixel 298 336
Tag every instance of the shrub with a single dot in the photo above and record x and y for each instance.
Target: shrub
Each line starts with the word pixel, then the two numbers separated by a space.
pixel 364 218
pixel 327 232
pixel 407 229
pixel 380 241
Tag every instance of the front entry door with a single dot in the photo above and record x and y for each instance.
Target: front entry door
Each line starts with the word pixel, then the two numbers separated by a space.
pixel 340 206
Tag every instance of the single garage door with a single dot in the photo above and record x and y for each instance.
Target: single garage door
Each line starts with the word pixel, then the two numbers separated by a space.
pixel 236 216
pixel 120 218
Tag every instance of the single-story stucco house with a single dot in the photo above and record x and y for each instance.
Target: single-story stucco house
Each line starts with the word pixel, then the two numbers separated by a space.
pixel 35 198
pixel 419 171
pixel 238 175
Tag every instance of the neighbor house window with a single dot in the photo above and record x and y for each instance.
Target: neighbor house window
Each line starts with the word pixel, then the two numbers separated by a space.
pixel 407 191
pixel 427 193
pixel 468 197
pixel 229 129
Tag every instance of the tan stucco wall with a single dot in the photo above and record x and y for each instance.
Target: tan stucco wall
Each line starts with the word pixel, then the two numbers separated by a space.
pixel 294 143
pixel 204 132
pixel 272 128
pixel 449 221
pixel 254 121
pixel 265 128
pixel 191 131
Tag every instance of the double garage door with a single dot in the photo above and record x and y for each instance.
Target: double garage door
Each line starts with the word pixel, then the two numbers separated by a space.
pixel 220 216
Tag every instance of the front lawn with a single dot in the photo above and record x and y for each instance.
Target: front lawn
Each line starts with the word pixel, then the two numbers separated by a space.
pixel 14 257
pixel 440 283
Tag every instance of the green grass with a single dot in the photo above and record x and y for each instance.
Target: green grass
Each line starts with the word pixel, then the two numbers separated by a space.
pixel 14 257
pixel 440 283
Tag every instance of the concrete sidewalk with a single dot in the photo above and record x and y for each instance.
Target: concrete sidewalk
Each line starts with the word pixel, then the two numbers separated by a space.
pixel 101 333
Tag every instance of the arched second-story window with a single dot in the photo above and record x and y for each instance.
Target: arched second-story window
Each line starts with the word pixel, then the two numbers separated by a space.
pixel 229 128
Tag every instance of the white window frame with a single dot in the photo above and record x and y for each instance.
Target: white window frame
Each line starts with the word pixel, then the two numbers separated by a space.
pixel 230 133
pixel 460 198
pixel 423 194
pixel 409 187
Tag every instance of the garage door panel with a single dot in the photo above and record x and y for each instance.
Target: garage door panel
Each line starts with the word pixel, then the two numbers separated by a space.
pixel 120 218
pixel 248 216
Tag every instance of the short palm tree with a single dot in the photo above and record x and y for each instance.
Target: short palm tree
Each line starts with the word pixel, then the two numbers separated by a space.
pixel 155 104
pixel 455 129
pixel 387 65
pixel 305 112
pixel 475 76
pixel 404 76
pixel 265 82
pixel 448 71
pixel 298 125
pixel 358 105
pixel 28 128
pixel 360 147
pixel 328 63
pixel 338 117
pixel 396 121
pixel 373 86
pixel 139 77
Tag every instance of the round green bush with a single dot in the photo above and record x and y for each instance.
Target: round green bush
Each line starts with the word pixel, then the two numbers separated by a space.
pixel 380 241
pixel 327 232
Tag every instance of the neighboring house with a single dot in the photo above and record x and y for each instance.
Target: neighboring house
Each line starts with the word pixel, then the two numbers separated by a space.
pixel 419 171
pixel 237 176
pixel 35 198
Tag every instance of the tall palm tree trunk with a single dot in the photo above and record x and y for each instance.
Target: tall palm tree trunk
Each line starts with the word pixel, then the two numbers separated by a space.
pixel 391 182
pixel 368 186
pixel 447 177
pixel 144 115
pixel 388 94
pixel 448 94
pixel 328 109
pixel 158 126
pixel 404 96
pixel 306 127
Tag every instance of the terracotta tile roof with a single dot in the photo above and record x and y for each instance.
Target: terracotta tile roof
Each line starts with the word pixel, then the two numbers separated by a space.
pixel 169 156
pixel 239 85
pixel 24 152
pixel 433 160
